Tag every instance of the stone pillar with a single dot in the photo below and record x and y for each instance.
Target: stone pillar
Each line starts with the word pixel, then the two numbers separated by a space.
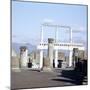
pixel 41 59
pixel 48 61
pixel 50 51
pixel 56 58
pixel 70 58
pixel 23 57
pixel 75 56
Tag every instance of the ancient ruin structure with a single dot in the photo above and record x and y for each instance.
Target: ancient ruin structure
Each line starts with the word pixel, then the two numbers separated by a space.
pixel 23 57
pixel 55 46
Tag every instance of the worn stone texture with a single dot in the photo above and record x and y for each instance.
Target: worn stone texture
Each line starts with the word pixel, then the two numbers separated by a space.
pixel 46 62
pixel 81 54
pixel 61 56
pixel 50 51
pixel 14 62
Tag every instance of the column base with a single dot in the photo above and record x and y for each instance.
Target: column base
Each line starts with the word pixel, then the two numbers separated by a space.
pixel 47 69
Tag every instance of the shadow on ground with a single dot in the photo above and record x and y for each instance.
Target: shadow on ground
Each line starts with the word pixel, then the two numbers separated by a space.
pixel 71 77
pixel 78 76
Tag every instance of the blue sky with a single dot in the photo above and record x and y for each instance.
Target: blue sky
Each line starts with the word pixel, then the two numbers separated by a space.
pixel 27 18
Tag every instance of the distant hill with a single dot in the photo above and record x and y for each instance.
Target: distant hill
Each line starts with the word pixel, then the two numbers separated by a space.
pixel 16 46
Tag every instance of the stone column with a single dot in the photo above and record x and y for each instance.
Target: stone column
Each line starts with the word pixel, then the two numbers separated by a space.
pixel 41 59
pixel 48 61
pixel 50 51
pixel 70 58
pixel 56 58
pixel 23 57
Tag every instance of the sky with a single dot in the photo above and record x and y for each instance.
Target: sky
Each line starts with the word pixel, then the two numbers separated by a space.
pixel 27 18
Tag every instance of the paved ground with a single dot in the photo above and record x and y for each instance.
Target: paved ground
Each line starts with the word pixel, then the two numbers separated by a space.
pixel 35 79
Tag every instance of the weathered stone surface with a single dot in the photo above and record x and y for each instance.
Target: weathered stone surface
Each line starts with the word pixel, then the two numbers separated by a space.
pixel 81 54
pixel 50 51
pixel 61 56
pixel 23 57
pixel 46 62
pixel 15 62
